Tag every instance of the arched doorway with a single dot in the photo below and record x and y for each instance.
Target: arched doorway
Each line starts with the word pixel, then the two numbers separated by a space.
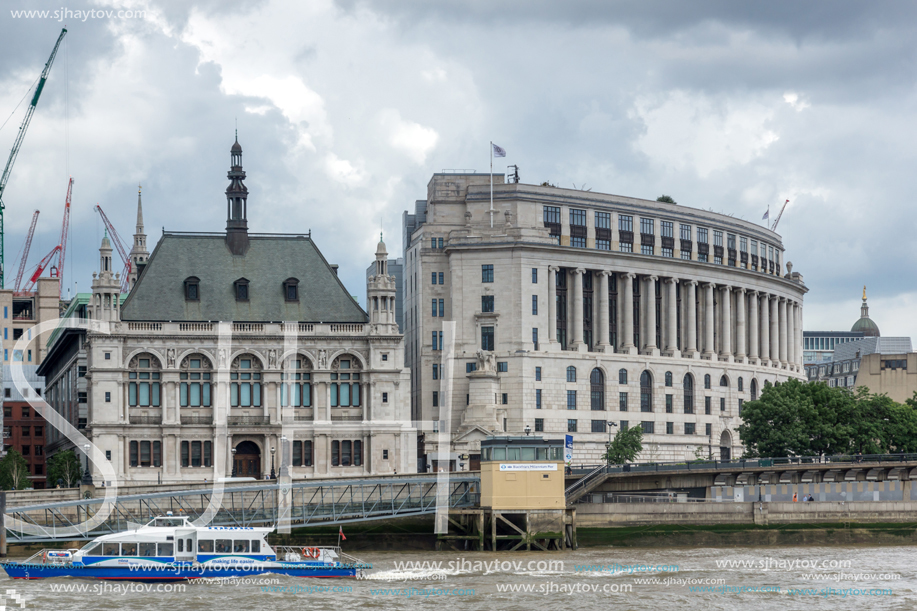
pixel 725 446
pixel 247 461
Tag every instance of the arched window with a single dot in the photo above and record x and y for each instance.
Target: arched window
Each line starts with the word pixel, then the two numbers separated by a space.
pixel 754 390
pixel 724 381
pixel 195 381
pixel 143 388
pixel 597 389
pixel 707 381
pixel 668 378
pixel 741 384
pixel 192 288
pixel 240 288
pixel 571 374
pixel 245 382
pixel 689 393
pixel 345 382
pixel 296 389
pixel 291 289
pixel 646 391
pixel 622 376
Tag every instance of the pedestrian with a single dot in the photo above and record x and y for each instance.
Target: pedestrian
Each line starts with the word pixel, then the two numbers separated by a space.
pixel 794 497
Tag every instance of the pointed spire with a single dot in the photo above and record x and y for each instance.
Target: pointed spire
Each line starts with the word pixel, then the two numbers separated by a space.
pixel 139 211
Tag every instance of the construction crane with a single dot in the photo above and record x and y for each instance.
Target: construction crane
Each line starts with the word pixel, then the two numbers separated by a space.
pixel 18 143
pixel 60 251
pixel 64 233
pixel 121 248
pixel 777 220
pixel 25 252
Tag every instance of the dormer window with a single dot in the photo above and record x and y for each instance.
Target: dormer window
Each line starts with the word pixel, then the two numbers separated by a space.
pixel 192 289
pixel 241 286
pixel 291 289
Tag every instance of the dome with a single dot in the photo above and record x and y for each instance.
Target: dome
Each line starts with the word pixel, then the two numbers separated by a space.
pixel 866 326
pixel 236 147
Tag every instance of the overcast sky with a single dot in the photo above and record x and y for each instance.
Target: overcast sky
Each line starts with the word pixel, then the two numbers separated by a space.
pixel 345 109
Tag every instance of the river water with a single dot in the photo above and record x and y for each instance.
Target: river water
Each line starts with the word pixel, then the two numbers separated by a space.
pixel 755 578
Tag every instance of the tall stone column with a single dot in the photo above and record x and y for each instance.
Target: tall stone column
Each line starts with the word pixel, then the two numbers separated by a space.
pixel 753 327
pixel 775 331
pixel 671 334
pixel 577 343
pixel 552 305
pixel 691 322
pixel 791 335
pixel 649 295
pixel 765 327
pixel 708 322
pixel 602 344
pixel 740 325
pixel 799 337
pixel 782 329
pixel 726 324
pixel 627 315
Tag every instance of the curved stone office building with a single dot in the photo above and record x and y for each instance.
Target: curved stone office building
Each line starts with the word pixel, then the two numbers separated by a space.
pixel 575 309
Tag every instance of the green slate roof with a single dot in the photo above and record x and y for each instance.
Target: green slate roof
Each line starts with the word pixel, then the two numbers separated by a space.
pixel 270 260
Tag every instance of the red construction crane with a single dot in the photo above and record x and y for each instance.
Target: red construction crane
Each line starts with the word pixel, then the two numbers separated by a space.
pixel 60 251
pixel 774 226
pixel 122 250
pixel 25 252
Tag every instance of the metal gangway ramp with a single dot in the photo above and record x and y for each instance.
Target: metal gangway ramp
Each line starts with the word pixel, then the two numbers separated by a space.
pixel 302 503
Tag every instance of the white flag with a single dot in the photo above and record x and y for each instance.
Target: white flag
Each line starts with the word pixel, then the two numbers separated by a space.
pixel 766 215
pixel 498 151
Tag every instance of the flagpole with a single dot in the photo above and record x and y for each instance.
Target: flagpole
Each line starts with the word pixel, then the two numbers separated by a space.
pixel 491 184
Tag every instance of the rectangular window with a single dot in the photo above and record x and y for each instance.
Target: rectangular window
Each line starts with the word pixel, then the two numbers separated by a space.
pixel 577 228
pixel 487 303
pixel 434 308
pixel 434 341
pixel 708 429
pixel 469 367
pixel 625 223
pixel 667 229
pixel 504 399
pixel 535 337
pixel 684 232
pixel 487 273
pixel 433 274
pixel 668 404
pixel 646 249
pixel 435 398
pixel 648 427
pixel 669 428
pixel 647 226
pixel 741 402
pixel 703 245
pixel 622 401
pixel 441 278
pixel 442 308
pixel 689 428
pixel 539 425
pixel 707 406
pixel 598 426
pixel 435 371
pixel 722 404
pixel 626 246
pixel 534 275
pixel 487 338
pixel 534 305
pixel 538 374
pixel 537 398
pixel 603 220
pixel 577 217
pixel 571 426
pixel 502 366
pixel 571 399
pixel 552 215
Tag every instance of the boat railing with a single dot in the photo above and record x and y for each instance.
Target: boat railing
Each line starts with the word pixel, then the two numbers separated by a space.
pixel 50 556
pixel 303 551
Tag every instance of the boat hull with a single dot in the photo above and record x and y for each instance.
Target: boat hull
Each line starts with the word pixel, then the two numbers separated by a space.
pixel 173 572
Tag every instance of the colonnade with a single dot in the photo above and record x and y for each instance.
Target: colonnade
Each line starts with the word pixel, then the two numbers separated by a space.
pixel 703 320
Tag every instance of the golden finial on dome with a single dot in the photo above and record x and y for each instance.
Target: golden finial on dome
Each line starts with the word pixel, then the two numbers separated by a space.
pixel 864 292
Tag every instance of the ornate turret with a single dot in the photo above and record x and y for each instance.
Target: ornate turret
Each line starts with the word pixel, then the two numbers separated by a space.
pixel 381 293
pixel 236 203
pixel 139 253
pixel 106 287
pixel 865 324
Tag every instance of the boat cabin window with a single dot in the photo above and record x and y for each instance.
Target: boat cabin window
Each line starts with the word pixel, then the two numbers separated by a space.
pixel 111 549
pixel 205 546
pixel 256 547
pixel 93 549
pixel 165 549
pixel 168 522
pixel 189 545
pixel 240 547
pixel 128 549
pixel 224 546
pixel 147 549
pixel 181 545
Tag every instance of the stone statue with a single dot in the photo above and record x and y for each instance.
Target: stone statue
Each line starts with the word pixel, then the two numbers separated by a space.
pixel 322 359
pixel 487 362
pixel 170 357
pixel 272 358
pixel 222 357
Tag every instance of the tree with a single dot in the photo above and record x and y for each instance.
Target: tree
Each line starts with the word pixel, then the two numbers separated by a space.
pixel 625 446
pixel 666 199
pixel 14 471
pixel 64 466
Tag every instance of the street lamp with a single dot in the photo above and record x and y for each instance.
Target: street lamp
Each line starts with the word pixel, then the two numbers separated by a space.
pixel 528 430
pixel 273 449
pixel 87 476
pixel 611 423
pixel 233 462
